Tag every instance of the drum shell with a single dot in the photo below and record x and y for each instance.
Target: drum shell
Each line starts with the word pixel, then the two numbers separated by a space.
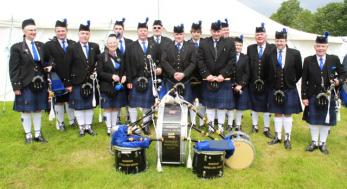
pixel 130 160
pixel 208 164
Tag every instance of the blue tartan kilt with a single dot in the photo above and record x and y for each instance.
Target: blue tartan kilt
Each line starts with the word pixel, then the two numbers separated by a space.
pixel 77 102
pixel 141 99
pixel 292 103
pixel 117 101
pixel 316 116
pixel 196 91
pixel 259 102
pixel 242 101
pixel 31 102
pixel 223 98
pixel 188 89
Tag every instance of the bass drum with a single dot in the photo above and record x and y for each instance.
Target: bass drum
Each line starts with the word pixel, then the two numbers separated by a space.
pixel 244 154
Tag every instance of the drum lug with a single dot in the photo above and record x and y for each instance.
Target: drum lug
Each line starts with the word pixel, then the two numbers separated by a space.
pixel 220 173
pixel 205 157
pixel 204 174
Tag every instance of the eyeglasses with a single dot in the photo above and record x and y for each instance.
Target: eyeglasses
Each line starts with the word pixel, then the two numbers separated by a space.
pixel 157 28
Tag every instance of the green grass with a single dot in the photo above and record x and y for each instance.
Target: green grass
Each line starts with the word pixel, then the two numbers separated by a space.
pixel 68 161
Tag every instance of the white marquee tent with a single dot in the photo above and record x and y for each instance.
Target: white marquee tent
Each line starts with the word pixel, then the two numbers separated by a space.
pixel 103 13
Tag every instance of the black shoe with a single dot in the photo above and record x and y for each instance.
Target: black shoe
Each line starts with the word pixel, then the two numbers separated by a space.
pixel 287 144
pixel 82 133
pixel 74 124
pixel 62 127
pixel 274 141
pixel 229 128
pixel 28 140
pixel 40 139
pixel 323 148
pixel 90 132
pixel 267 133
pixel 238 128
pixel 255 129
pixel 311 147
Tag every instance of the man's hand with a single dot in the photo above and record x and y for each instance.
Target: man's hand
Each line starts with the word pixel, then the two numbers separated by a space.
pixel 130 85
pixel 115 78
pixel 158 71
pixel 179 76
pixel 124 79
pixel 17 92
pixel 220 79
pixel 237 88
pixel 69 89
pixel 210 78
pixel 305 102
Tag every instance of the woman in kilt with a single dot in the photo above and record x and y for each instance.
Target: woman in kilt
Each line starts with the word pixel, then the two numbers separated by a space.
pixel 111 70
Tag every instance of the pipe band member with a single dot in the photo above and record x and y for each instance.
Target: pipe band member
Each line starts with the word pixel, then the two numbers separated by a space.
pixel 284 71
pixel 111 75
pixel 321 72
pixel 258 90
pixel 81 58
pixel 56 49
pixel 27 65
pixel 216 61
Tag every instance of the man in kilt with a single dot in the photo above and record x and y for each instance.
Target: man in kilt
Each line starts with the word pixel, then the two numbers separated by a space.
pixel 258 90
pixel 139 73
pixel 321 72
pixel 123 45
pixel 178 60
pixel 111 75
pixel 81 59
pixel 241 94
pixel 26 67
pixel 196 79
pixel 284 71
pixel 216 61
pixel 56 49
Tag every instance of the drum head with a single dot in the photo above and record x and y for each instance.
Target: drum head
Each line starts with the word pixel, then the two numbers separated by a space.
pixel 243 156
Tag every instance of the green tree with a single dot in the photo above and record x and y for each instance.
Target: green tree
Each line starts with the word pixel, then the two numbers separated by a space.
pixel 332 18
pixel 287 13
pixel 304 21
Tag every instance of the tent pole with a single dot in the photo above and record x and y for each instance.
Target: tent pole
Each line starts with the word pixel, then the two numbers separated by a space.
pixel 6 72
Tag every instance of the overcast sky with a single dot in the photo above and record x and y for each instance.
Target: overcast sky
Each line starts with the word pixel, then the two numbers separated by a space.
pixel 267 7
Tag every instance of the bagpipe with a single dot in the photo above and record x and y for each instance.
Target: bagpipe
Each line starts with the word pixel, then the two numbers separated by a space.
pixel 323 99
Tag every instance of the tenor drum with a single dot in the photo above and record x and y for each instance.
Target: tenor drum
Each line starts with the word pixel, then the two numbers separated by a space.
pixel 208 164
pixel 244 154
pixel 130 160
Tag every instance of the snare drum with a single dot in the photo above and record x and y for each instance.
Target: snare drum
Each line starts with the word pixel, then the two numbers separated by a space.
pixel 244 153
pixel 208 164
pixel 130 160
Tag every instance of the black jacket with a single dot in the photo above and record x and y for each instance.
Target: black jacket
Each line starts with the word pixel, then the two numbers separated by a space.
pixel 57 56
pixel 137 61
pixel 22 67
pixel 79 67
pixel 292 70
pixel 311 75
pixel 242 70
pixel 211 64
pixel 106 69
pixel 258 70
pixel 172 61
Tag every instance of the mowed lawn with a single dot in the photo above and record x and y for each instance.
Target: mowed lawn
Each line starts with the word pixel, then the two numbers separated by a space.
pixel 68 161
